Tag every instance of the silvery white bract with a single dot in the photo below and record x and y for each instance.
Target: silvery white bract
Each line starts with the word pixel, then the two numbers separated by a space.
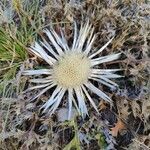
pixel 71 69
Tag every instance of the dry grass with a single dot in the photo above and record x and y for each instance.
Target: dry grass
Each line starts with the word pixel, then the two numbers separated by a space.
pixel 124 126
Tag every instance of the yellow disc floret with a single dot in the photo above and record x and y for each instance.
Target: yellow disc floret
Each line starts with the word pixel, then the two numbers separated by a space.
pixel 71 70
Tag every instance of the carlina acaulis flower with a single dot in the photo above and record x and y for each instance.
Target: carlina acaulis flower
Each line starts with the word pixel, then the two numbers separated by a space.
pixel 72 69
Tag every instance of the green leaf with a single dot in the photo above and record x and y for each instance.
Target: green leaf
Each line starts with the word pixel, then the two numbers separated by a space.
pixel 101 141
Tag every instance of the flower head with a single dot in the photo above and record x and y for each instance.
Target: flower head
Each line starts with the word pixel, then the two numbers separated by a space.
pixel 71 69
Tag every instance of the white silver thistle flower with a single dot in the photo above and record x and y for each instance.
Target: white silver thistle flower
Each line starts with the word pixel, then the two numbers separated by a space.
pixel 71 70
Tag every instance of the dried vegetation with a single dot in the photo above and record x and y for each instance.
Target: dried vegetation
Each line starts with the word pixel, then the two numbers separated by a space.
pixel 126 125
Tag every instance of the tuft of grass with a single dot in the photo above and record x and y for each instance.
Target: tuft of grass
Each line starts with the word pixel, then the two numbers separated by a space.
pixel 16 35
pixel 11 50
pixel 17 32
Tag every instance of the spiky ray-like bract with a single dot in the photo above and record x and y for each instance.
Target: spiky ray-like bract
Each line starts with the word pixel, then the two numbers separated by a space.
pixel 72 69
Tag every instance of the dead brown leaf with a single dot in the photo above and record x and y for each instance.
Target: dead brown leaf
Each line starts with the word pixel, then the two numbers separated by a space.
pixel 118 127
